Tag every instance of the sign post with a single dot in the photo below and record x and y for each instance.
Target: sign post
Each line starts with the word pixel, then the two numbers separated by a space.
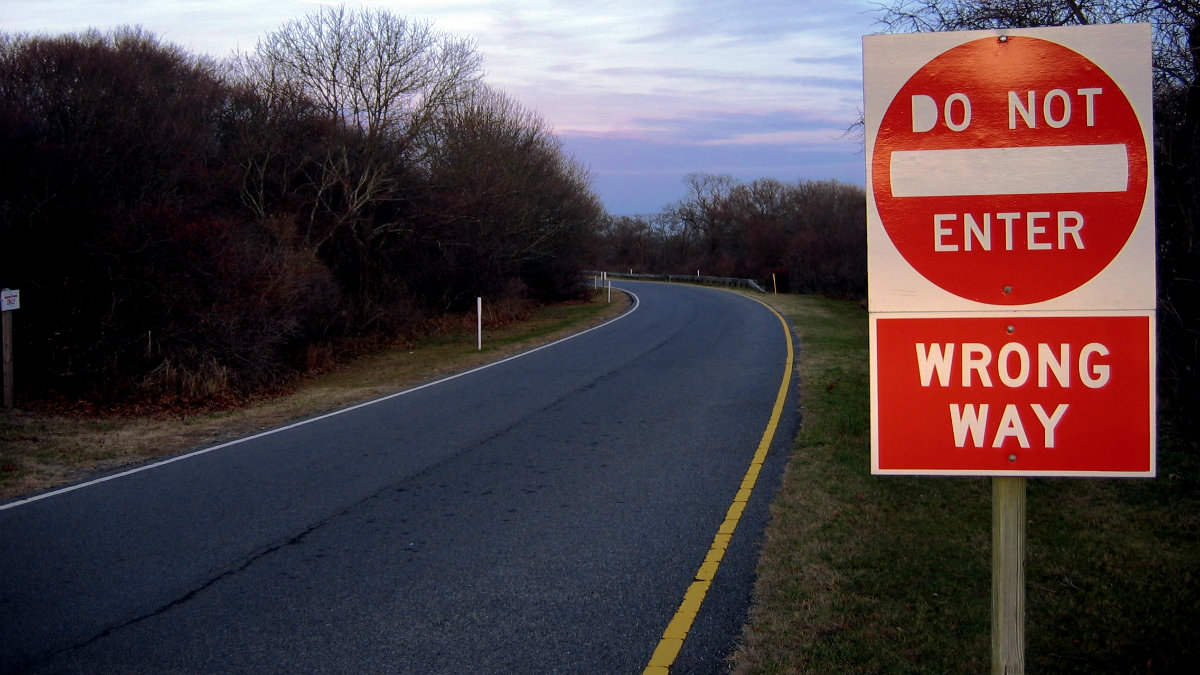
pixel 1008 574
pixel 10 300
pixel 1011 257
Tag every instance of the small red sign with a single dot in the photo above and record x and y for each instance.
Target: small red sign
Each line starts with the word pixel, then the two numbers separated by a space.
pixel 1062 395
pixel 1009 170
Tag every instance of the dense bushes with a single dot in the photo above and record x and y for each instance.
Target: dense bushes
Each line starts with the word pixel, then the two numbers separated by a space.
pixel 502 203
pixel 183 228
pixel 1177 184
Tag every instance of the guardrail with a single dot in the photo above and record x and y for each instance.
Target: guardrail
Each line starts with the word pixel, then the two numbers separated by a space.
pixel 728 282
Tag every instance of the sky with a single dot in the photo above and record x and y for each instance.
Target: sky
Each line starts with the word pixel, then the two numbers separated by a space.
pixel 640 92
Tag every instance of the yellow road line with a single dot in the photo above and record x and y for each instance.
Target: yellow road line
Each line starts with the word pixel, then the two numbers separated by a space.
pixel 677 630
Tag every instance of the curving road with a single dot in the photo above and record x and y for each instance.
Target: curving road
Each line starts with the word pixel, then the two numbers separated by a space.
pixel 545 514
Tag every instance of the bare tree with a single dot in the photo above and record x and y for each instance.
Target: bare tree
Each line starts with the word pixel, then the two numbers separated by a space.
pixel 504 201
pixel 384 79
pixel 375 71
pixel 1175 37
pixel 704 221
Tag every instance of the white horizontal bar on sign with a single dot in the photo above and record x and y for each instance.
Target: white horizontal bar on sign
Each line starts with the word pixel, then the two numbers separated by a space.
pixel 1035 170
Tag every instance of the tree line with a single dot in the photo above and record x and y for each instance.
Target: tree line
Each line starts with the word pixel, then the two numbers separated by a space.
pixel 802 237
pixel 182 228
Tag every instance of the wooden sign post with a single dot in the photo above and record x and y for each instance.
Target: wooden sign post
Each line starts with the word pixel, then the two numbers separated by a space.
pixel 1008 575
pixel 9 300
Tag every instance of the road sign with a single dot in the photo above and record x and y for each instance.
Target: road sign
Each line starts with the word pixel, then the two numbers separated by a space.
pixel 9 301
pixel 1013 185
pixel 1009 168
pixel 1011 238
pixel 1004 394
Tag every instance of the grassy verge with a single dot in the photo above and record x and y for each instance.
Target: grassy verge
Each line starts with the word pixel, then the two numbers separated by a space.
pixel 863 574
pixel 40 450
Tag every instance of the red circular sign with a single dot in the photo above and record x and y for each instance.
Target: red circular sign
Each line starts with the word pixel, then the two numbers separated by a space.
pixel 1009 170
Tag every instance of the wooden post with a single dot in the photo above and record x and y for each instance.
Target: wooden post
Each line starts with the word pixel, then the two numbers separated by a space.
pixel 8 359
pixel 1008 575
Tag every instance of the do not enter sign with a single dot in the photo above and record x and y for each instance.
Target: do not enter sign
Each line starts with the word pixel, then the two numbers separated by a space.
pixel 1009 170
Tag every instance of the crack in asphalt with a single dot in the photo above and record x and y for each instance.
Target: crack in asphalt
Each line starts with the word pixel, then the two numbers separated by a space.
pixel 298 538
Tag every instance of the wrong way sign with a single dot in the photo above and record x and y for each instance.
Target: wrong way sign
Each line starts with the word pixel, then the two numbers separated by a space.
pixel 1003 394
pixel 1011 251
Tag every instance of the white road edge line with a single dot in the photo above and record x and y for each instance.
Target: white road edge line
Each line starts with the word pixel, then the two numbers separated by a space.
pixel 28 500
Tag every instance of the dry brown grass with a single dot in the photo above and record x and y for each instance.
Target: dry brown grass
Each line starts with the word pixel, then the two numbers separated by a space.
pixel 40 450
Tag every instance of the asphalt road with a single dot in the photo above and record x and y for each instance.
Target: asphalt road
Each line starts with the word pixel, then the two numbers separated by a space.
pixel 543 515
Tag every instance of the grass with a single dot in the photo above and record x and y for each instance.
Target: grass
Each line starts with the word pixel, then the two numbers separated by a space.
pixel 41 450
pixel 884 574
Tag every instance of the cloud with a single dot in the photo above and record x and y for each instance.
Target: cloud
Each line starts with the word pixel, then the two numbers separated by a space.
pixel 641 173
pixel 717 128
pixel 734 24
pixel 847 62
pixel 739 77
